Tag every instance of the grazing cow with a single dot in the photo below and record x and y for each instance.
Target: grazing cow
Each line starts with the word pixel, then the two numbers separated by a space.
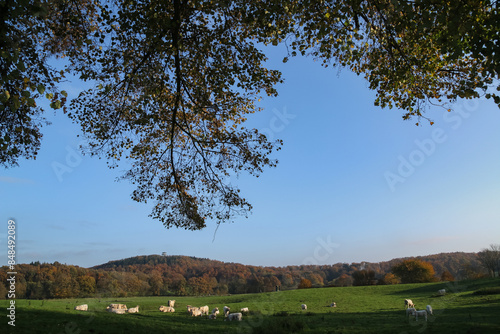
pixel 421 313
pixel 409 311
pixel 117 306
pixel 133 309
pixel 204 309
pixel 215 311
pixel 304 307
pixel 409 303
pixel 226 311
pixel 167 309
pixel 171 303
pixel 244 310
pixel 194 311
pixel 442 292
pixel 429 309
pixel 83 307
pixel 333 304
pixel 234 316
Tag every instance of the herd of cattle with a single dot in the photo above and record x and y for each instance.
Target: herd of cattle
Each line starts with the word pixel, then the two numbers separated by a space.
pixel 412 311
pixel 204 310
pixel 193 311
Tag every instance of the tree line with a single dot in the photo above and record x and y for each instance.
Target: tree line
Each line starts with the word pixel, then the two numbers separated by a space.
pixel 156 275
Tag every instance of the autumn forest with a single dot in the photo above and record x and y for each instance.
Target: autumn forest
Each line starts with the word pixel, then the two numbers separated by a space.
pixel 157 275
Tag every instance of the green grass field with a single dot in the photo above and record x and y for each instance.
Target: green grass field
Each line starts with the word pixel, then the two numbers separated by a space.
pixel 468 307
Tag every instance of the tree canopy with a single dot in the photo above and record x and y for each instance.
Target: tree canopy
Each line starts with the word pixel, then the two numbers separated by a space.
pixel 174 82
pixel 490 259
pixel 413 53
pixel 363 277
pixel 181 275
pixel 414 271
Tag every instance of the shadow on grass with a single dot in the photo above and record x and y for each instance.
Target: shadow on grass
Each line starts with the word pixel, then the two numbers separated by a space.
pixel 475 320
pixel 479 319
pixel 53 322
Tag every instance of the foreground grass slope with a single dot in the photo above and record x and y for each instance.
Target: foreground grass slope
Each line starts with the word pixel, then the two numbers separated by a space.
pixel 468 307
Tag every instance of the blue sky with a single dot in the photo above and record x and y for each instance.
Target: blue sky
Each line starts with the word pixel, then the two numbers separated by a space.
pixel 354 183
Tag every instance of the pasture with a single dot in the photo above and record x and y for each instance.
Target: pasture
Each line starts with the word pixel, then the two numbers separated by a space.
pixel 467 307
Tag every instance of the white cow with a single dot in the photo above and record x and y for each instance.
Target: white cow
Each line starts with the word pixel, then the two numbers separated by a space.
pixel 409 311
pixel 244 310
pixel 117 306
pixel 83 307
pixel 226 311
pixel 133 309
pixel 167 309
pixel 429 309
pixel 421 313
pixel 204 309
pixel 442 292
pixel 304 307
pixel 194 311
pixel 171 303
pixel 409 303
pixel 235 316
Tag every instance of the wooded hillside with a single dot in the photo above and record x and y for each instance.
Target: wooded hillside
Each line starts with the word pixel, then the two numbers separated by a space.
pixel 182 275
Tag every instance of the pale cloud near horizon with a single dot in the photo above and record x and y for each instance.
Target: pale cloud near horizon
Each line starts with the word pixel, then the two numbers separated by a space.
pixel 80 257
pixel 15 180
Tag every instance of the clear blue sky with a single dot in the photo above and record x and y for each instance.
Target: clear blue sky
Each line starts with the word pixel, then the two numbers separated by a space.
pixel 354 183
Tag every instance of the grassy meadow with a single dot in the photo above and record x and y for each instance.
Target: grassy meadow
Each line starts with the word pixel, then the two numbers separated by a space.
pixel 468 307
